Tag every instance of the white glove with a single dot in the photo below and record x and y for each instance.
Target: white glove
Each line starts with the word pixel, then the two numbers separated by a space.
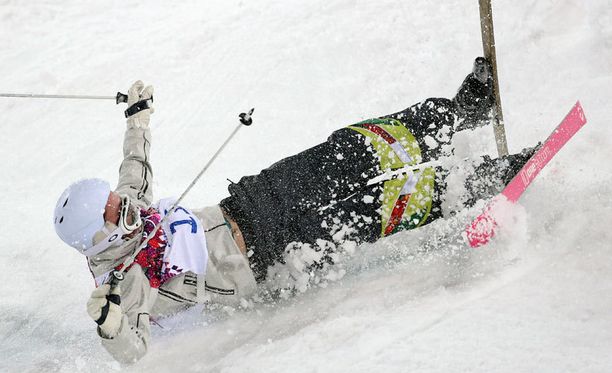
pixel 137 93
pixel 104 307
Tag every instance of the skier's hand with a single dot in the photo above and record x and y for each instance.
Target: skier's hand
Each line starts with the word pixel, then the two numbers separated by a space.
pixel 137 93
pixel 104 307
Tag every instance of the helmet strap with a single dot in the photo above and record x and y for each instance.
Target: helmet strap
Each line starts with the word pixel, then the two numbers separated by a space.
pixel 112 238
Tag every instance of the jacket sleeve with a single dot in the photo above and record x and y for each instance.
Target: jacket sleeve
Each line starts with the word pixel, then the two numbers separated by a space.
pixel 132 341
pixel 135 173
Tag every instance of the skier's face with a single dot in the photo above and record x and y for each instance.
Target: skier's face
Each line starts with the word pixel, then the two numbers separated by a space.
pixel 112 209
pixel 112 212
pixel 121 220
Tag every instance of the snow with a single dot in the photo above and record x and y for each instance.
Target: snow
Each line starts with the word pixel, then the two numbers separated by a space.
pixel 431 142
pixel 537 299
pixel 368 199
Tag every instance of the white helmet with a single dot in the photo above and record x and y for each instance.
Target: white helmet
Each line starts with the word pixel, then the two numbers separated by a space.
pixel 79 212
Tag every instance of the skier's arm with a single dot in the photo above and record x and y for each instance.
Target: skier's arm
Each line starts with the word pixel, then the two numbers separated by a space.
pixel 132 339
pixel 135 173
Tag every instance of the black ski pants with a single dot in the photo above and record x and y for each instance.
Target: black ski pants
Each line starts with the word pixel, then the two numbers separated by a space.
pixel 322 193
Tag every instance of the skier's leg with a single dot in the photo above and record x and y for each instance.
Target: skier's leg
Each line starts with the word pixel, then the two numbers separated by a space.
pixel 352 220
pixel 431 120
pixel 436 120
pixel 313 177
pixel 281 204
pixel 487 179
pixel 492 175
pixel 343 166
pixel 358 218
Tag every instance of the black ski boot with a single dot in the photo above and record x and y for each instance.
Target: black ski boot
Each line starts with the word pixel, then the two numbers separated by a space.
pixel 492 175
pixel 474 98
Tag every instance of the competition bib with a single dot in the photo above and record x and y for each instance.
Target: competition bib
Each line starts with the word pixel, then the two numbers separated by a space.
pixel 186 250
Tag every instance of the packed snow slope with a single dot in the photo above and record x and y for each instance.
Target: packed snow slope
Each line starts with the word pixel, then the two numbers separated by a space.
pixel 539 298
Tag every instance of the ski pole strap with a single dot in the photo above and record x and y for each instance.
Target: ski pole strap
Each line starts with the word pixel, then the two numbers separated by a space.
pixel 138 107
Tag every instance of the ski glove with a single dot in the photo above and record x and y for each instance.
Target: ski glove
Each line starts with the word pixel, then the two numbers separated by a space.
pixel 140 95
pixel 104 307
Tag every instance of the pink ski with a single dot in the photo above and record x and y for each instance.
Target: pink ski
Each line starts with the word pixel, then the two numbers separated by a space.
pixel 482 228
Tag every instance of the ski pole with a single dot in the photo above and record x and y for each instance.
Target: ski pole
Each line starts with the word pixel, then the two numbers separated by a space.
pixel 119 97
pixel 403 171
pixel 391 174
pixel 245 119
pixel 488 46
pixel 408 169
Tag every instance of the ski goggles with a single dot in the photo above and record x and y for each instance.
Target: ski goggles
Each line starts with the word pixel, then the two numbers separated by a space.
pixel 129 218
pixel 129 221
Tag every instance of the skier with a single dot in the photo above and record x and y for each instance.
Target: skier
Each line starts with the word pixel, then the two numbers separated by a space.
pixel 343 190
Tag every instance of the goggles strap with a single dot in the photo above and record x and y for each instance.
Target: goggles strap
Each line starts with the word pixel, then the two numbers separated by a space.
pixel 112 238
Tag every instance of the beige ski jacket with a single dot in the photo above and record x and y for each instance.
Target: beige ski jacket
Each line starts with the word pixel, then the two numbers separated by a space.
pixel 228 279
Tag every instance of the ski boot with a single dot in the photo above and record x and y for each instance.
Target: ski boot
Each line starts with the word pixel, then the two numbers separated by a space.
pixel 474 98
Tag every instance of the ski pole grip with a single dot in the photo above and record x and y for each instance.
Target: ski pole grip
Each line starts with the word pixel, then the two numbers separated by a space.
pixel 121 98
pixel 246 118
